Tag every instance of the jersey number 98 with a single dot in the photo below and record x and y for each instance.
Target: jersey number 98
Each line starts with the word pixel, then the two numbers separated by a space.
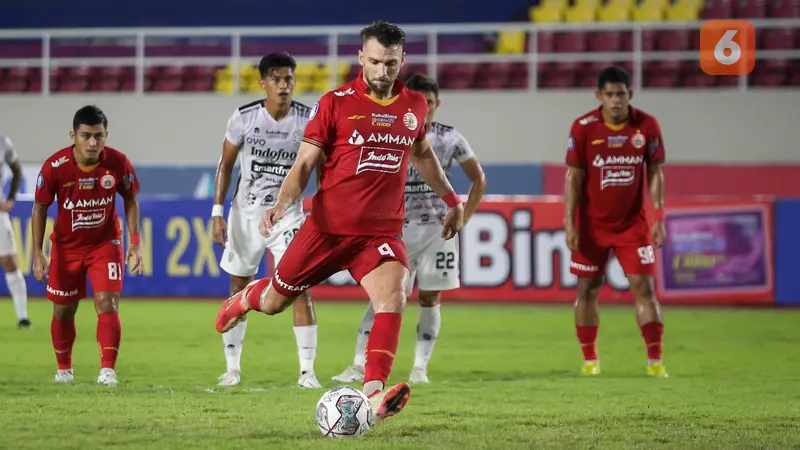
pixel 646 254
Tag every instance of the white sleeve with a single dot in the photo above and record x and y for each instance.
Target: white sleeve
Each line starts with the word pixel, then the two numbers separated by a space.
pixel 234 132
pixel 463 151
pixel 7 147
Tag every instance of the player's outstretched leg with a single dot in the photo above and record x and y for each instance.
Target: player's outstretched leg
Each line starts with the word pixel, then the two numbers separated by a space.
pixel 257 295
pixel 109 335
pixel 17 288
pixel 430 322
pixel 233 341
pixel 305 332
pixel 587 322
pixel 62 331
pixel 385 287
pixel 648 315
pixel 356 371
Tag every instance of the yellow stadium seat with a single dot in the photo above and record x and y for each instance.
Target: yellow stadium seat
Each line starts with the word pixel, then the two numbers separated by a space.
pixel 580 15
pixel 511 42
pixel 683 13
pixel 623 4
pixel 654 4
pixel 546 15
pixel 587 4
pixel 648 15
pixel 306 74
pixel 696 4
pixel 342 69
pixel 557 4
pixel 614 14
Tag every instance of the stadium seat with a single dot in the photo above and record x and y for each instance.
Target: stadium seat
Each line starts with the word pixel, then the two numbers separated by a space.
pixel 673 40
pixel 545 42
pixel 664 80
pixel 605 41
pixel 166 85
pixel 768 78
pixel 306 74
pixel 511 42
pixel 698 79
pixel 548 11
pixel 105 85
pixel 648 14
pixel 519 76
pixel 752 9
pixel 614 13
pixel 779 39
pixel 784 9
pixel 574 41
pixel 580 14
pixel 683 13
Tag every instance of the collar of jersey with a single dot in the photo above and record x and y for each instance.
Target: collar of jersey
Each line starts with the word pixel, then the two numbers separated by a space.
pixel 86 168
pixel 632 118
pixel 362 88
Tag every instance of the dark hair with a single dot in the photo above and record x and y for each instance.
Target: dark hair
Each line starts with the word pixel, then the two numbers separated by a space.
pixel 275 61
pixel 89 115
pixel 386 33
pixel 421 83
pixel 613 74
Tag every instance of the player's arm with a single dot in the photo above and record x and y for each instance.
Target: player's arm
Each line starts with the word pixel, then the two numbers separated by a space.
pixel 129 190
pixel 427 164
pixel 655 156
pixel 222 178
pixel 16 180
pixel 44 197
pixel 472 168
pixel 308 157
pixel 573 184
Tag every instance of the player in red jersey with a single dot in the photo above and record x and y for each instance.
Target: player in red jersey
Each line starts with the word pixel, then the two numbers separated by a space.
pixel 611 150
pixel 363 134
pixel 86 240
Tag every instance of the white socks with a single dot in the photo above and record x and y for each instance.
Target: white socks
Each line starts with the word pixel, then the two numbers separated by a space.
pixel 233 340
pixel 19 293
pixel 430 321
pixel 363 335
pixel 306 347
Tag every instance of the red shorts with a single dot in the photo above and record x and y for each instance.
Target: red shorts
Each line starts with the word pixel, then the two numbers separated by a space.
pixel 69 268
pixel 590 260
pixel 313 256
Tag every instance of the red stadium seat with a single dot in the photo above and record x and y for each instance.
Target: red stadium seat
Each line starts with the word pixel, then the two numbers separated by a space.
pixel 519 76
pixel 199 85
pixel 71 85
pixel 752 9
pixel 171 84
pixel 13 85
pixel 669 80
pixel 559 81
pixel 605 41
pixel 545 41
pixel 769 78
pixel 781 38
pixel 784 9
pixel 728 82
pixel 674 40
pixel 35 85
pixel 574 41
pixel 105 85
pixel 696 78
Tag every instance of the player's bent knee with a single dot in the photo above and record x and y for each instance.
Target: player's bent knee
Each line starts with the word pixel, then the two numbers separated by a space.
pixel 429 299
pixel 105 302
pixel 64 311
pixel 588 288
pixel 9 263
pixel 642 287
pixel 274 302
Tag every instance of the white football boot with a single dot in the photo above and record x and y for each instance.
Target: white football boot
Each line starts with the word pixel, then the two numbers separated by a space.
pixel 418 375
pixel 350 375
pixel 108 377
pixel 64 376
pixel 230 378
pixel 309 381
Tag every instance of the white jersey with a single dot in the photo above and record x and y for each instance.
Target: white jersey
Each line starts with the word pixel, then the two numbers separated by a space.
pixel 423 206
pixel 268 149
pixel 8 156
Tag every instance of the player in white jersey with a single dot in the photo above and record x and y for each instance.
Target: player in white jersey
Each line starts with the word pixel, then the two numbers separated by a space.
pixel 8 242
pixel 434 261
pixel 264 135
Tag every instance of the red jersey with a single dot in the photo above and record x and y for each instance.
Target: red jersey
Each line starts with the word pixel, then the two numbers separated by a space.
pixel 367 143
pixel 614 159
pixel 86 214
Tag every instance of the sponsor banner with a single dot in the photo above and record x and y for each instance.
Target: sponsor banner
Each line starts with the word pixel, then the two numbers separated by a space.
pixel 720 251
pixel 513 250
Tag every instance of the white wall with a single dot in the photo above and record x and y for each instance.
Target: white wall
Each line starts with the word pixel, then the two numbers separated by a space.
pixel 760 126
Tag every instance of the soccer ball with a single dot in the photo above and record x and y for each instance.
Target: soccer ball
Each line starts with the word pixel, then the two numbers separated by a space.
pixel 344 412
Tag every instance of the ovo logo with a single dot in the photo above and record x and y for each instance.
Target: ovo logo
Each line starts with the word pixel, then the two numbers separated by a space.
pixel 727 47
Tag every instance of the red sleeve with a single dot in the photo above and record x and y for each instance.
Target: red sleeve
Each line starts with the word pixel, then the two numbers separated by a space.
pixel 129 184
pixel 321 128
pixel 46 185
pixel 423 129
pixel 576 148
pixel 655 144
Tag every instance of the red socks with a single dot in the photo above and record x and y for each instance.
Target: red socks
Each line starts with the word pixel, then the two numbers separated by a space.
pixel 255 291
pixel 382 346
pixel 63 335
pixel 109 334
pixel 652 333
pixel 587 336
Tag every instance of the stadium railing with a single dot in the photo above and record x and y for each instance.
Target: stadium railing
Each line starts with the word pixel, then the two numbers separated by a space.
pixel 336 37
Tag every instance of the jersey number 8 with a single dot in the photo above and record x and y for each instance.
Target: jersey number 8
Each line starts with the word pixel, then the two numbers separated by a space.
pixel 646 254
pixel 114 271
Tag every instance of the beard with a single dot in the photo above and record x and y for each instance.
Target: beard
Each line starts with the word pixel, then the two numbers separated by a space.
pixel 380 89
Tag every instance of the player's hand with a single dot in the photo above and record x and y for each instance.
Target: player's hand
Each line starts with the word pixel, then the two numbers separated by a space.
pixel 220 229
pixel 659 234
pixel 6 205
pixel 571 235
pixel 134 259
pixel 270 218
pixel 453 221
pixel 40 268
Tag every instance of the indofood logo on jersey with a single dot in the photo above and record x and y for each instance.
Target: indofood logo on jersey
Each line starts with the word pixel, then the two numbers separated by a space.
pixel 617 170
pixel 273 154
pixel 88 218
pixel 378 159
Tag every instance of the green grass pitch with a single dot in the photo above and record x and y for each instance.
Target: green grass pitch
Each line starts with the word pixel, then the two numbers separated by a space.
pixel 504 377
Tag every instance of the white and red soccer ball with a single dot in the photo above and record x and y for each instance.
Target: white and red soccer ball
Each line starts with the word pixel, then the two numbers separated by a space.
pixel 344 412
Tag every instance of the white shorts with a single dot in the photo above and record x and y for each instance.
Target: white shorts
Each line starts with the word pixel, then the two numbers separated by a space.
pixel 8 242
pixel 244 251
pixel 434 261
